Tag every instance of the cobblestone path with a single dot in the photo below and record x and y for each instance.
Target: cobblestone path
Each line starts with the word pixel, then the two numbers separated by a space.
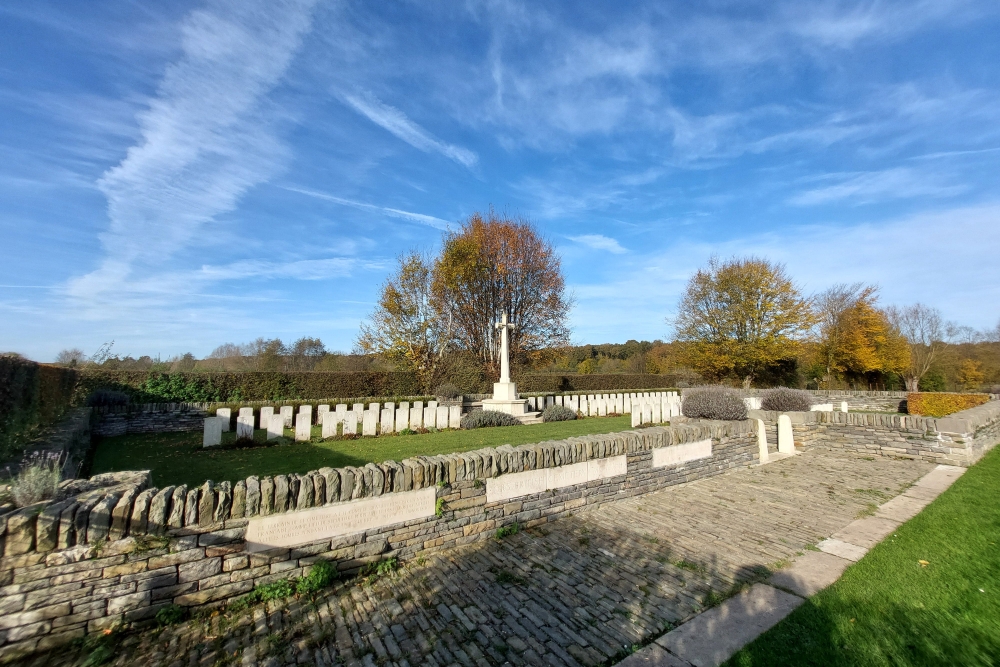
pixel 582 590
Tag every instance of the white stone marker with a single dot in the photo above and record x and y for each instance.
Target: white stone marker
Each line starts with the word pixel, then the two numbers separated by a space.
pixel 287 413
pixel 786 442
pixel 430 417
pixel 265 416
pixel 369 423
pixel 843 406
pixel 636 418
pixel 454 416
pixel 389 406
pixel 341 409
pixel 330 421
pixel 303 426
pixel 762 440
pixel 307 410
pixel 432 404
pixel 405 405
pixel 442 416
pixel 244 427
pixel 418 404
pixel 351 422
pixel 320 411
pixel 374 407
pixel 359 408
pixel 247 412
pixel 416 417
pixel 627 404
pixel 213 432
pixel 225 414
pixel 602 407
pixel 275 427
pixel 402 419
pixel 386 420
pixel 674 454
pixel 647 412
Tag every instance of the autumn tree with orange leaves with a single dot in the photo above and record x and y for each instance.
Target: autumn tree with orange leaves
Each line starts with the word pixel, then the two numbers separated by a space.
pixel 494 264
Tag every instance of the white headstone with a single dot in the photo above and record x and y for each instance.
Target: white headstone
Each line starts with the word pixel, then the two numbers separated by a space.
pixel 432 404
pixel 402 419
pixel 762 440
pixel 405 405
pixel 442 416
pixel 351 422
pixel 369 422
pixel 454 416
pixel 602 407
pixel 265 416
pixel 636 418
pixel 329 425
pixel 244 426
pixel 786 441
pixel 213 432
pixel 275 427
pixel 374 407
pixel 303 426
pixel 225 414
pixel 387 421
pixel 843 406
pixel 416 417
pixel 247 412
pixel 359 407
pixel 389 406
pixel 320 411
pixel 418 404
pixel 287 413
pixel 341 408
pixel 430 417
pixel 308 411
pixel 647 412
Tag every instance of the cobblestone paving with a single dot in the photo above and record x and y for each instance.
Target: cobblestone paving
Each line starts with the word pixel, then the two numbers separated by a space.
pixel 580 591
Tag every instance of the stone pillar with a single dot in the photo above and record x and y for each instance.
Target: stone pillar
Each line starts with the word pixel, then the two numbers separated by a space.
pixel 786 442
pixel 762 440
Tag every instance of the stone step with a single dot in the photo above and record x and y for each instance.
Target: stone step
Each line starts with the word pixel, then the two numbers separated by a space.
pixel 530 418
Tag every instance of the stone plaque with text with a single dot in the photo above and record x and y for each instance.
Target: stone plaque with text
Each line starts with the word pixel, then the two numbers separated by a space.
pixel 514 485
pixel 323 523
pixel 689 451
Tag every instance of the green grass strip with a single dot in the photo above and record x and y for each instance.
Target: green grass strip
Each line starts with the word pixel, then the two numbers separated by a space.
pixel 179 458
pixel 929 594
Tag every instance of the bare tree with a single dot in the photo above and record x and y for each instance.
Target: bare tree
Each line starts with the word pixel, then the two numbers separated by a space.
pixel 927 335
pixel 304 353
pixel 71 358
pixel 408 325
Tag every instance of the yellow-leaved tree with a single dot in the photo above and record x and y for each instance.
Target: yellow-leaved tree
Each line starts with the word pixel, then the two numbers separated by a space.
pixel 866 341
pixel 741 316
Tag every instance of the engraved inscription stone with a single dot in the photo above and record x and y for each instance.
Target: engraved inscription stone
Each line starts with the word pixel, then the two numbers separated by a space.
pixel 689 451
pixel 513 485
pixel 303 427
pixel 322 523
pixel 275 427
pixel 286 413
pixel 225 414
pixel 329 424
pixel 244 427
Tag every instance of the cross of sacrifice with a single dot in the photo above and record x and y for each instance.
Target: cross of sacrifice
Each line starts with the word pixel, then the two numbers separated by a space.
pixel 503 326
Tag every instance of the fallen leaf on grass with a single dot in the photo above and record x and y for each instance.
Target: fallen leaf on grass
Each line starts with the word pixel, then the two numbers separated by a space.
pixel 923 563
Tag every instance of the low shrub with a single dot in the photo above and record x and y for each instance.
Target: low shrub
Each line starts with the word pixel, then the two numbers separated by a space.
pixel 933 404
pixel 107 398
pixel 557 413
pixel 448 391
pixel 171 615
pixel 714 403
pixel 784 399
pixel 38 479
pixel 321 575
pixel 487 419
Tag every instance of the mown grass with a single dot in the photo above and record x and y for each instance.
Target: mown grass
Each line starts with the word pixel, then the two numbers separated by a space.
pixel 929 594
pixel 179 458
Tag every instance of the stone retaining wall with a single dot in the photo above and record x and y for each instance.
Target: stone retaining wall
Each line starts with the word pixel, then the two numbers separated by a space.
pixel 114 550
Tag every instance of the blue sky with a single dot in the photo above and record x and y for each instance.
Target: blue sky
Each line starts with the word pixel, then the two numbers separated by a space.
pixel 179 175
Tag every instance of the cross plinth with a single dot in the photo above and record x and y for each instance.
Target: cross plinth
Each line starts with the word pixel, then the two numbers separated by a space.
pixel 505 392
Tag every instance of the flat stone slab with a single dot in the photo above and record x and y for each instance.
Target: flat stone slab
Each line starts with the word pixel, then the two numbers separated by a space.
pixel 810 573
pixel 851 552
pixel 922 492
pixel 866 532
pixel 709 639
pixel 653 656
pixel 940 478
pixel 902 508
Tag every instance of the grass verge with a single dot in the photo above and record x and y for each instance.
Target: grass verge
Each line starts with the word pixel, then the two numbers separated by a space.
pixel 179 458
pixel 929 594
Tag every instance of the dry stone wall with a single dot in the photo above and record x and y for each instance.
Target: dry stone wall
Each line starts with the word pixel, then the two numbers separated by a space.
pixel 114 549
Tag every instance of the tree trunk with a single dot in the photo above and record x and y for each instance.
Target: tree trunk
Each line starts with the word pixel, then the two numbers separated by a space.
pixel 912 383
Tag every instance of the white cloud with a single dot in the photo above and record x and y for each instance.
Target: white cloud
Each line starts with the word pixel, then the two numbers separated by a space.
pixel 206 137
pixel 876 186
pixel 430 220
pixel 395 121
pixel 600 242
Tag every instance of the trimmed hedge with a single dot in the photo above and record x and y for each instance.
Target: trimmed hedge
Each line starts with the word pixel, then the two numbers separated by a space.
pixel 31 395
pixel 488 419
pixel 557 413
pixel 543 382
pixel 150 387
pixel 941 404
pixel 783 399
pixel 714 403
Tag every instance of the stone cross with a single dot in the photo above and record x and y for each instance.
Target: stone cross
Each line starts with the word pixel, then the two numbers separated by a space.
pixel 503 326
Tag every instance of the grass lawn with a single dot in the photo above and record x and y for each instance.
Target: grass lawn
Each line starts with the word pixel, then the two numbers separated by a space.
pixel 179 458
pixel 929 594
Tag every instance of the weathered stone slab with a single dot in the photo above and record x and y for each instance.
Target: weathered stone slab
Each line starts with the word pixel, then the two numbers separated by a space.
pixel 430 417
pixel 351 422
pixel 851 552
pixel 416 417
pixel 369 422
pixel 287 414
pixel 213 432
pixel 454 416
pixel 323 523
pixel 225 414
pixel 265 416
pixel 810 573
pixel 303 426
pixel 275 427
pixel 247 412
pixel 675 454
pixel 441 419
pixel 786 442
pixel 244 426
pixel 514 485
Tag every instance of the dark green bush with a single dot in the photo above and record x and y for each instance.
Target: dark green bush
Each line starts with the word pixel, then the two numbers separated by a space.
pixel 171 614
pixel 784 399
pixel 448 390
pixel 488 418
pixel 31 396
pixel 714 403
pixel 107 398
pixel 545 382
pixel 321 575
pixel 557 413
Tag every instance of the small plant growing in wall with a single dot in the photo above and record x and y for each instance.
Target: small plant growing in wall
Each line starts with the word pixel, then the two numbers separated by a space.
pixel 170 615
pixel 506 531
pixel 439 507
